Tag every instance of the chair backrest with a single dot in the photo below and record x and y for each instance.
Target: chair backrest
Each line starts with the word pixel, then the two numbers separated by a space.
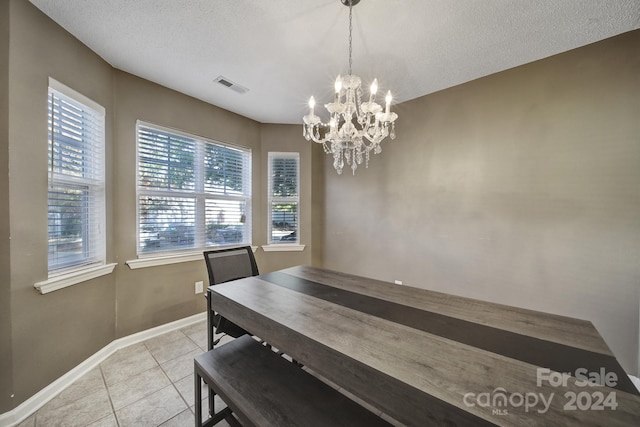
pixel 224 265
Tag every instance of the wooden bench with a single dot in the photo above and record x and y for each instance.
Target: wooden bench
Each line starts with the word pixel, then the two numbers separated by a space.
pixel 263 389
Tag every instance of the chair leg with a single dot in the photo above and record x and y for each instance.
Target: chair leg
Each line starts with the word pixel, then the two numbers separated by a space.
pixel 209 322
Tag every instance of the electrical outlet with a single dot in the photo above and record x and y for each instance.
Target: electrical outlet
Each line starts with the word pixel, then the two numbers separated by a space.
pixel 199 287
pixel 398 282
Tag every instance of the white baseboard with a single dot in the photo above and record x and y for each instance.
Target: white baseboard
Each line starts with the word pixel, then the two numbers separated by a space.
pixel 39 399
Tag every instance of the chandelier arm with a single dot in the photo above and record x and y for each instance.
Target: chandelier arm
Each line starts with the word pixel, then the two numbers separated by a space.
pixel 373 122
pixel 314 139
pixel 370 139
pixel 358 96
pixel 365 122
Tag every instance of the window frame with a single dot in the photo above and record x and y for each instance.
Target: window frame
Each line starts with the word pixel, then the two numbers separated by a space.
pixel 148 258
pixel 92 263
pixel 91 187
pixel 283 245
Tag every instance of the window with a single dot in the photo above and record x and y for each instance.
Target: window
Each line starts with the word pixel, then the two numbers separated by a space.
pixel 284 197
pixel 76 191
pixel 192 192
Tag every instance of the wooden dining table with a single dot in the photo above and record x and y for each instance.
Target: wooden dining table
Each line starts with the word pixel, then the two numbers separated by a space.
pixel 429 358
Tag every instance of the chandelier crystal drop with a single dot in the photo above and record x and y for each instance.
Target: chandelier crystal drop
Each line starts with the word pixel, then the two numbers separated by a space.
pixel 355 128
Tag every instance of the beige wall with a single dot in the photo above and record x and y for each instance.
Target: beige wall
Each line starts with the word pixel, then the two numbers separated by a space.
pixel 152 296
pixel 520 188
pixel 318 203
pixel 6 380
pixel 50 333
pixel 44 336
pixel 286 138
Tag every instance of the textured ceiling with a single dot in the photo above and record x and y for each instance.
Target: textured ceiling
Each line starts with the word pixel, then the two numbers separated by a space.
pixel 284 51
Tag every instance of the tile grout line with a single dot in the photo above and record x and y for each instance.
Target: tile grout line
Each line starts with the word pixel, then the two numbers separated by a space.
pixel 108 388
pixel 173 383
pixel 170 381
pixel 165 374
pixel 113 409
pixel 157 364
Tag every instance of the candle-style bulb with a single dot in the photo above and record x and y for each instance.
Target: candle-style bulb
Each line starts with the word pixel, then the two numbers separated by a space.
pixel 374 89
pixel 338 84
pixel 312 103
pixel 388 99
pixel 374 86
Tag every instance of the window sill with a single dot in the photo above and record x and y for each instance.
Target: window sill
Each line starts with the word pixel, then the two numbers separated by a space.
pixel 73 278
pixel 157 260
pixel 284 247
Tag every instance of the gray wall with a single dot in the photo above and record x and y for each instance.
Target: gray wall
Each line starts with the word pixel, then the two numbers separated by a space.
pixel 520 188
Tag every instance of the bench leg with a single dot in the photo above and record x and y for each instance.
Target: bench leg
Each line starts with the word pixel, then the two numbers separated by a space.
pixel 198 403
pixel 212 409
pixel 213 418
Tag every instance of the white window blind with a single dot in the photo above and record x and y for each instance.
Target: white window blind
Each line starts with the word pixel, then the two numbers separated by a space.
pixel 76 192
pixel 284 197
pixel 192 192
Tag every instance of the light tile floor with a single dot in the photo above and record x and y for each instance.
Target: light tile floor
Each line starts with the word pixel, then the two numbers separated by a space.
pixel 149 384
pixel 146 384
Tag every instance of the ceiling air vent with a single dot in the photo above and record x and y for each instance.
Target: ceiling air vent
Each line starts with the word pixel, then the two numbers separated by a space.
pixel 231 85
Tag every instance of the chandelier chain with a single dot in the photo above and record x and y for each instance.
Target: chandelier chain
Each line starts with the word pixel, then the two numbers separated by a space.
pixel 350 37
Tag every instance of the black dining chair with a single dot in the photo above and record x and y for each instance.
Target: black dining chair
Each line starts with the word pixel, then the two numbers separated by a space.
pixel 224 265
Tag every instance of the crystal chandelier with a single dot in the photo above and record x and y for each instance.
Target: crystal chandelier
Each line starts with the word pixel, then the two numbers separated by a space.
pixel 355 128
